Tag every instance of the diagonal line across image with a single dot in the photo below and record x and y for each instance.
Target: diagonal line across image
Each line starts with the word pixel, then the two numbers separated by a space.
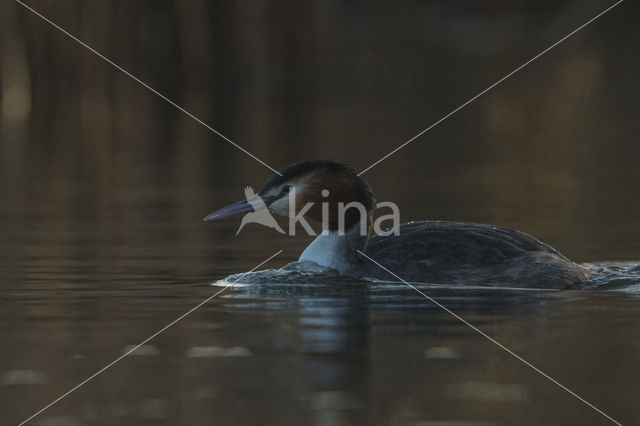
pixel 274 170
pixel 145 341
pixel 500 345
pixel 490 87
pixel 127 73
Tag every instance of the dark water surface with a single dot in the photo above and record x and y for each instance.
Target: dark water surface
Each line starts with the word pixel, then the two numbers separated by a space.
pixel 287 349
pixel 103 185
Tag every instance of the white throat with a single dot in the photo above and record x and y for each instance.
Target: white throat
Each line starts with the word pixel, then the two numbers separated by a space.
pixel 333 250
pixel 324 250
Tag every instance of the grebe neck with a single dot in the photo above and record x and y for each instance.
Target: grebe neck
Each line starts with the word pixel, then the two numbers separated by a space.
pixel 338 250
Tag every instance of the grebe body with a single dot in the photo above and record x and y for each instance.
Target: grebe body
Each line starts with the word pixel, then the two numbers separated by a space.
pixel 471 253
pixel 428 251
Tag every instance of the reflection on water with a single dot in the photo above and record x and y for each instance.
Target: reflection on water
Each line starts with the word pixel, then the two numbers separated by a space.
pixel 80 287
pixel 102 187
pixel 320 353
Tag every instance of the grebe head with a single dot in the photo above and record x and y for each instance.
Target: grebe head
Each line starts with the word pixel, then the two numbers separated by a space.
pixel 310 184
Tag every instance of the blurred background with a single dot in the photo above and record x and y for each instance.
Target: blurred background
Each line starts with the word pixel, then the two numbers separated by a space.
pixel 103 184
pixel 552 151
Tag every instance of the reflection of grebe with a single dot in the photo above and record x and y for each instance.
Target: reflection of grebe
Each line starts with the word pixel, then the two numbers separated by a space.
pixel 431 251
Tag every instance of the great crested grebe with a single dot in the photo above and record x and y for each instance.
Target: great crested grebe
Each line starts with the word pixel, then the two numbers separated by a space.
pixel 430 251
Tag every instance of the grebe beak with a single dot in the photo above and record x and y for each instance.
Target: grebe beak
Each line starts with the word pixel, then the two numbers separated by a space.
pixel 253 204
pixel 232 210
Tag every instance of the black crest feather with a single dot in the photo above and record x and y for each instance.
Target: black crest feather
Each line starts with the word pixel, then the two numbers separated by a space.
pixel 364 194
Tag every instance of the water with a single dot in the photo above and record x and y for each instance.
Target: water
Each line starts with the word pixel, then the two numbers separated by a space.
pixel 86 275
pixel 290 347
pixel 103 185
